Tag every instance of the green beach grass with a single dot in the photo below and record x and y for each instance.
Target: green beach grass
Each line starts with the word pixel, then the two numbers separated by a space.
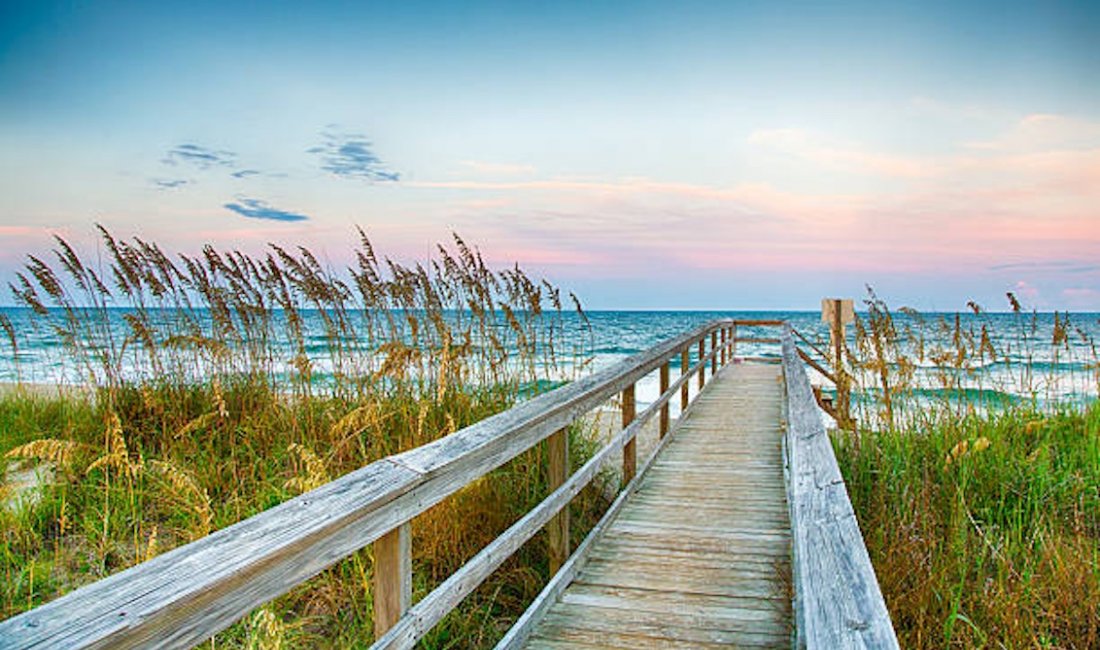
pixel 981 517
pixel 214 429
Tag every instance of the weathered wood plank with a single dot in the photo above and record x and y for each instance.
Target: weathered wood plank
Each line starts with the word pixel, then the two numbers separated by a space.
pixel 521 631
pixel 662 428
pixel 651 600
pixel 183 597
pixel 618 625
pixel 758 322
pixel 838 600
pixel 685 629
pixel 713 533
pixel 713 358
pixel 392 577
pixel 702 366
pixel 557 531
pixel 759 339
pixel 684 387
pixel 630 450
pixel 175 598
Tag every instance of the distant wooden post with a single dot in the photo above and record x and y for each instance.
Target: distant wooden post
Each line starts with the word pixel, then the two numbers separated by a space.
pixel 838 313
pixel 663 428
pixel 557 448
pixel 685 363
pixel 714 351
pixel 733 342
pixel 702 366
pixel 392 577
pixel 630 450
pixel 725 338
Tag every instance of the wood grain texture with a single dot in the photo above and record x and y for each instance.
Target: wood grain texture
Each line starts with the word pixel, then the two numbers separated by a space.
pixel 185 596
pixel 392 577
pixel 838 600
pixel 432 608
pixel 685 355
pixel 702 366
pixel 557 470
pixel 714 359
pixel 630 451
pixel 698 555
pixel 662 428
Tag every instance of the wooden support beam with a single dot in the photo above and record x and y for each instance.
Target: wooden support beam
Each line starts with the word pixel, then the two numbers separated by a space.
pixel 557 470
pixel 714 359
pixel 815 365
pixel 838 313
pixel 630 449
pixel 685 363
pixel 702 366
pixel 663 427
pixel 725 350
pixel 166 602
pixel 837 599
pixel 392 577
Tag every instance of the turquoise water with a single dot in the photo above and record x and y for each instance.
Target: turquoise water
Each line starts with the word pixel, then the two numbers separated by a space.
pixel 1026 364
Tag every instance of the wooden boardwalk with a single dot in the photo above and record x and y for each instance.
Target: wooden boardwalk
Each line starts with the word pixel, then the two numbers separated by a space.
pixel 699 556
pixel 700 550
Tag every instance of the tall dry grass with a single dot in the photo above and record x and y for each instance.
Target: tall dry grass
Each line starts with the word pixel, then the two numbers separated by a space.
pixel 221 384
pixel 978 494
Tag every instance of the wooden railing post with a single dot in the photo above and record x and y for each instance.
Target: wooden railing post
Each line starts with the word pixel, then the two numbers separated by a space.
pixel 630 450
pixel 557 470
pixel 685 363
pixel 702 366
pixel 839 313
pixel 713 348
pixel 392 577
pixel 723 353
pixel 663 427
pixel 733 342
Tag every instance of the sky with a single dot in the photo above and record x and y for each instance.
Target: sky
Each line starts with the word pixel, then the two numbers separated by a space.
pixel 646 155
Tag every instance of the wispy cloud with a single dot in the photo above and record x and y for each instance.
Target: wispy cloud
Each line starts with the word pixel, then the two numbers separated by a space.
pixel 498 169
pixel 258 209
pixel 199 156
pixel 1060 266
pixel 1044 132
pixel 245 173
pixel 169 183
pixel 830 153
pixel 351 155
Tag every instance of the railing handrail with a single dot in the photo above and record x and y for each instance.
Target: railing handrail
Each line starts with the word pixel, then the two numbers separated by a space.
pixel 188 594
pixel 431 609
pixel 838 602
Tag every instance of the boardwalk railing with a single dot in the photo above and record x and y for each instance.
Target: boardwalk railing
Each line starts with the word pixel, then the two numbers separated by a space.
pixel 187 595
pixel 838 603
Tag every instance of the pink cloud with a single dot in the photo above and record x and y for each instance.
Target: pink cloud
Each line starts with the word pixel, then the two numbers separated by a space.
pixel 846 157
pixel 1044 131
pixel 1029 295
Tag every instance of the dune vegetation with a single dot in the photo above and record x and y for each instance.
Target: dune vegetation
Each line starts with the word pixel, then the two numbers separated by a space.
pixel 210 388
pixel 202 390
pixel 981 514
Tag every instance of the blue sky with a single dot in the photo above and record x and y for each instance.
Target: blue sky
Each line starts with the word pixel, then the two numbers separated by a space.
pixel 647 155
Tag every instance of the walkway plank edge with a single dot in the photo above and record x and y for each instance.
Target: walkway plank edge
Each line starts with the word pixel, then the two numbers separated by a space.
pixel 711 571
pixel 838 602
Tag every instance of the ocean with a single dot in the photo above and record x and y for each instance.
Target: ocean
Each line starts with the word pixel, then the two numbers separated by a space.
pixel 1026 363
